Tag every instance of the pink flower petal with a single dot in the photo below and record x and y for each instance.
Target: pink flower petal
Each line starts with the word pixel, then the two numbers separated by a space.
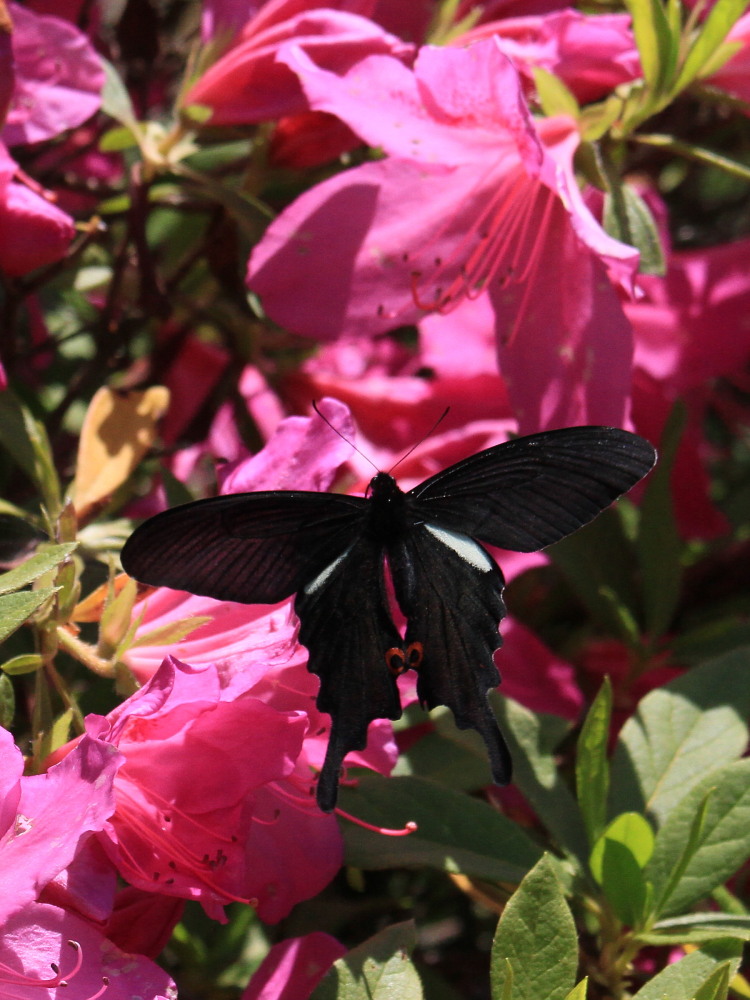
pixel 37 939
pixel 457 106
pixel 53 812
pixel 59 78
pixel 303 454
pixel 249 84
pixel 33 231
pixel 293 968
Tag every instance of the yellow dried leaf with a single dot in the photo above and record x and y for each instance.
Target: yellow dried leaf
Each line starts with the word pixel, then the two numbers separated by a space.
pixel 118 430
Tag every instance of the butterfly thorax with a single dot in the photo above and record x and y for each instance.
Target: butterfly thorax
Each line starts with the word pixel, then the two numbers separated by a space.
pixel 387 516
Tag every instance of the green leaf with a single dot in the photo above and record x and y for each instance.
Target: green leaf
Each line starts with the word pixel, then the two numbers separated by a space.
pixel 579 990
pixel 554 96
pixel 41 562
pixel 686 977
pixel 716 986
pixel 449 756
pixel 378 969
pixel 617 860
pixel 689 847
pixel 250 213
pixel 598 562
pixel 659 545
pixel 455 833
pixel 725 836
pixel 116 619
pixel 628 218
pixel 656 45
pixel 697 928
pixel 17 608
pixel 13 436
pixel 26 664
pixel 7 702
pixel 712 33
pixel 26 440
pixel 115 140
pixel 507 990
pixel 630 830
pixel 537 936
pixel 116 100
pixel 532 739
pixel 173 632
pixel 592 766
pixel 691 151
pixel 679 730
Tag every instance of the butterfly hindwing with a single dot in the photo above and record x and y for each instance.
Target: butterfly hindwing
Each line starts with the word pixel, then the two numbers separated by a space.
pixel 249 547
pixel 450 589
pixel 532 491
pixel 348 631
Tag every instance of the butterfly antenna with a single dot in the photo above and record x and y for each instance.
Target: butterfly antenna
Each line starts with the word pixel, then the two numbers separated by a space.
pixel 343 437
pixel 424 437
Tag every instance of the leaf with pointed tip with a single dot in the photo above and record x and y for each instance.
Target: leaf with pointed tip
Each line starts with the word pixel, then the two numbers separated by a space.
pixel 725 837
pixel 17 608
pixel 592 765
pixel 378 969
pixel 33 568
pixel 686 977
pixel 679 730
pixel 536 935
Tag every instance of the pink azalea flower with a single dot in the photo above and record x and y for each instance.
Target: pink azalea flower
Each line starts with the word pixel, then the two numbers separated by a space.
pixel 492 10
pixel 143 922
pixel 305 453
pixel 59 78
pixel 690 329
pixel 192 375
pixel 293 968
pixel 409 21
pixel 532 674
pixel 472 199
pixel 734 75
pixel 248 84
pixel 45 817
pixel 45 951
pixel 178 831
pixel 591 54
pixel 396 393
pixel 88 885
pixel 309 139
pixel 219 17
pixel 33 231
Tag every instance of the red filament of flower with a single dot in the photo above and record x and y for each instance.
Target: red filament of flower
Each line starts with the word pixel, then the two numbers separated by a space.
pixel 302 801
pixel 169 807
pixel 500 241
pixel 410 827
pixel 131 816
pixel 10 978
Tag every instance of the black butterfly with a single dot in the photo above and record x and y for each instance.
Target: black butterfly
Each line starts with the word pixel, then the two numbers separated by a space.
pixel 331 551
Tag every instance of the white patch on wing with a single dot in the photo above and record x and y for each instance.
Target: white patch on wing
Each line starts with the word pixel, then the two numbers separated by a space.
pixel 326 573
pixel 465 547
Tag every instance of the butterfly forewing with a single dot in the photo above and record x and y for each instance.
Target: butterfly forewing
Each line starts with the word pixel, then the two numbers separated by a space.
pixel 248 547
pixel 532 491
